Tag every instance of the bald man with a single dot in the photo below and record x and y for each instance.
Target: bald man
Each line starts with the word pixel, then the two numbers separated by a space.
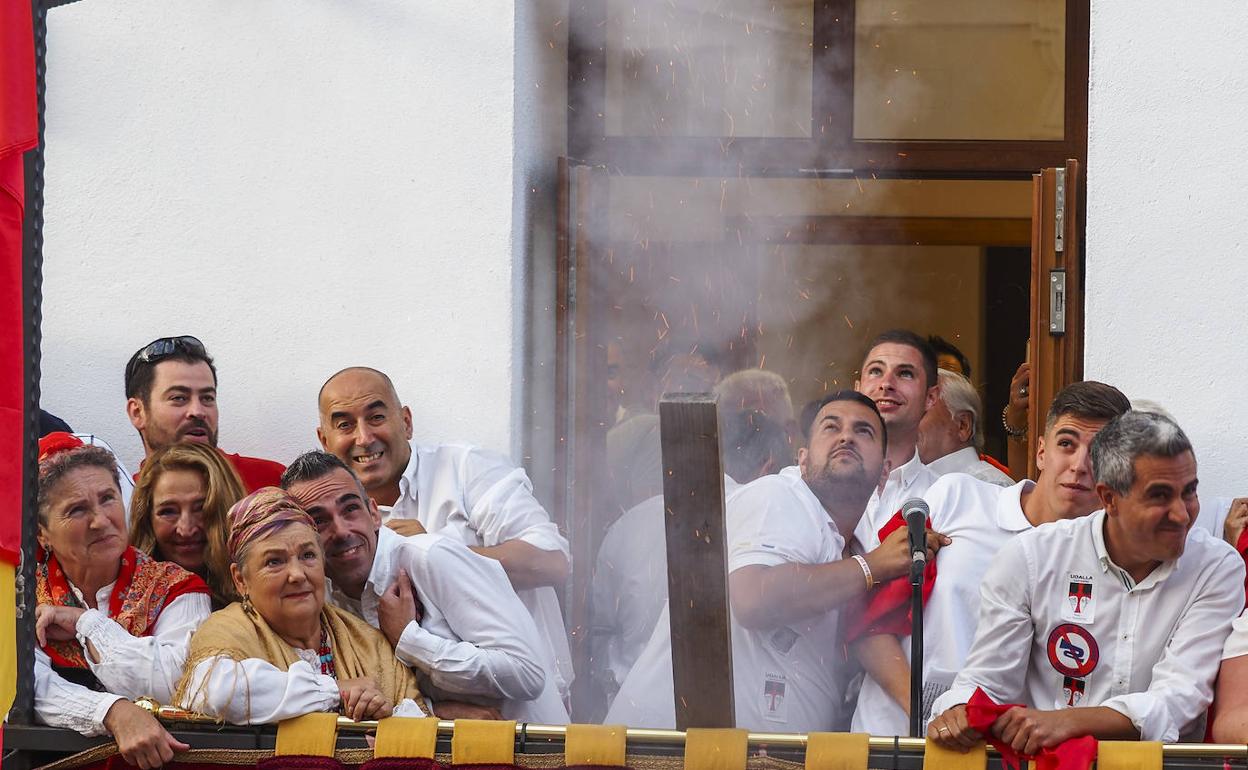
pixel 473 495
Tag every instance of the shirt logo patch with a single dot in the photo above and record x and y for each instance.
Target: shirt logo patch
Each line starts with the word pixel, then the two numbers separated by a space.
pixel 1072 691
pixel 775 707
pixel 1073 651
pixel 1080 606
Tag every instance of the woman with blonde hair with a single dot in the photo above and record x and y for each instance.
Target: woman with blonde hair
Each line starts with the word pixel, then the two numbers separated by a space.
pixel 178 513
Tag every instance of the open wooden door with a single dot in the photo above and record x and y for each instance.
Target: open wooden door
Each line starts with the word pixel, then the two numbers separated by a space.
pixel 1055 348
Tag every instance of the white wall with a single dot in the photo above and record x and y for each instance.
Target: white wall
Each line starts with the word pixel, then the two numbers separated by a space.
pixel 304 187
pixel 1166 263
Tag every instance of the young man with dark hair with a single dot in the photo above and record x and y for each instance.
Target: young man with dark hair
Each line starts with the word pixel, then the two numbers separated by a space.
pixel 1109 624
pixel 898 374
pixel 980 518
pixel 171 396
pixel 789 580
pixel 450 614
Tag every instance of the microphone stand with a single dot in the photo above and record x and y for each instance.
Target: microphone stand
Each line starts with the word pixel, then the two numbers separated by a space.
pixel 916 648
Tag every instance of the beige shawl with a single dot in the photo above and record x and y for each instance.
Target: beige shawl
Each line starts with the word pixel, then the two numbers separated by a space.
pixel 359 650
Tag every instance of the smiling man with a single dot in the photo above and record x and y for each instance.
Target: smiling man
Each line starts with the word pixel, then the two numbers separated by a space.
pixel 171 396
pixel 981 518
pixel 899 374
pixel 464 492
pixel 450 614
pixel 1108 625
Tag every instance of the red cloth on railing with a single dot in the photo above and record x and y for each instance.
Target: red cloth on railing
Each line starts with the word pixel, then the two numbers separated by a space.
pixel 1074 754
pixel 994 462
pixel 888 611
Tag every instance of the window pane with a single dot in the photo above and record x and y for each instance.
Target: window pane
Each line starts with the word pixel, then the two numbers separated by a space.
pixel 959 69
pixel 709 68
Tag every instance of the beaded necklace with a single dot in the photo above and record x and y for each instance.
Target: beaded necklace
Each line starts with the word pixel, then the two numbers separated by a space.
pixel 326 655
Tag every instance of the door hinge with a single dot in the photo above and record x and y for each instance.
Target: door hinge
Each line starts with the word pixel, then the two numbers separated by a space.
pixel 1059 211
pixel 1057 302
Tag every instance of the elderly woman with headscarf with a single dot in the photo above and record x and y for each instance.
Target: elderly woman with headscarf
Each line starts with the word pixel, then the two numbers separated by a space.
pixel 111 622
pixel 281 651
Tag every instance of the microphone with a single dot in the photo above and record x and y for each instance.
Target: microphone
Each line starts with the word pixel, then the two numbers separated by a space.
pixel 915 512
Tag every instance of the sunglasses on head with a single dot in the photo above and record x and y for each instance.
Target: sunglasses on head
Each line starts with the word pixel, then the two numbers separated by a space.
pixel 158 350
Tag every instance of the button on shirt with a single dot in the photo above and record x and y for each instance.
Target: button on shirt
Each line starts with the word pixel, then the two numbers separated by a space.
pixel 129 666
pixel 481 499
pixel 910 480
pixel 1092 636
pixel 980 518
pixel 785 679
pixel 966 460
pixel 475 638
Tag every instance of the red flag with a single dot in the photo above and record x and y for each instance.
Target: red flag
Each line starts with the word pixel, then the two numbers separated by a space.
pixel 19 132
pixel 888 610
pixel 1073 754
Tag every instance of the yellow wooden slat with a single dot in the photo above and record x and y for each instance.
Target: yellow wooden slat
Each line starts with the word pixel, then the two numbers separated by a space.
pixel 715 749
pixel 483 742
pixel 311 735
pixel 1128 755
pixel 594 745
pixel 407 738
pixel 936 757
pixel 837 751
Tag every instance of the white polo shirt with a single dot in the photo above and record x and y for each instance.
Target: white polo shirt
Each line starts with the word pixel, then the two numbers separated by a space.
pixel 481 498
pixel 1092 636
pixel 911 479
pixel 980 518
pixel 966 460
pixel 785 679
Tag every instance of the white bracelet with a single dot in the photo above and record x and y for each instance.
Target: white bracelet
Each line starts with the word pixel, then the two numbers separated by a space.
pixel 866 571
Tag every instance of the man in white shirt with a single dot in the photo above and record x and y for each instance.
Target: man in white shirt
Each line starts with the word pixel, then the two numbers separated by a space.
pixel 1109 625
pixel 629 588
pixel 899 374
pixel 463 492
pixel 980 518
pixel 951 434
pixel 787 580
pixel 451 614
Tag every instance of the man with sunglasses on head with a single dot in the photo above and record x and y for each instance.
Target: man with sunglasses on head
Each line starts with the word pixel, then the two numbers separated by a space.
pixel 171 396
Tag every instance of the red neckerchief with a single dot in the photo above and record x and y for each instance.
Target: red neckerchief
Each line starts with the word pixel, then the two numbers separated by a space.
pixel 888 611
pixel 144 587
pixel 994 462
pixel 1074 754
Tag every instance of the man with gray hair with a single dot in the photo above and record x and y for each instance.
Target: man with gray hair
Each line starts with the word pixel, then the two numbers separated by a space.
pixel 1109 625
pixel 951 434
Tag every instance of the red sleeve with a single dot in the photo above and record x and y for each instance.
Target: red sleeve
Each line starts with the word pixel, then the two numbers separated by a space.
pixel 257 473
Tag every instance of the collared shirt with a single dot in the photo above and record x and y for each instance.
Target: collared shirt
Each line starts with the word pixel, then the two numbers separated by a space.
pixel 1092 636
pixel 629 588
pixel 966 460
pixel 129 666
pixel 475 638
pixel 911 479
pixel 481 499
pixel 1237 643
pixel 980 518
pixel 785 679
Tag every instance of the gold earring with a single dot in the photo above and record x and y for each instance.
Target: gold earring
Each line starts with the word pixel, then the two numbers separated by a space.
pixel 248 607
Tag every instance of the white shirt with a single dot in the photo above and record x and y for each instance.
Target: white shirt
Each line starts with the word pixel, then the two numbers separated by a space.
pixel 475 638
pixel 1237 642
pixel 966 460
pixel 481 499
pixel 911 479
pixel 980 518
pixel 785 679
pixel 629 591
pixel 1149 650
pixel 129 667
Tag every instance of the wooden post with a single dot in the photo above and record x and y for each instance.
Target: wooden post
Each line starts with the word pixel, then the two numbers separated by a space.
pixel 697 561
